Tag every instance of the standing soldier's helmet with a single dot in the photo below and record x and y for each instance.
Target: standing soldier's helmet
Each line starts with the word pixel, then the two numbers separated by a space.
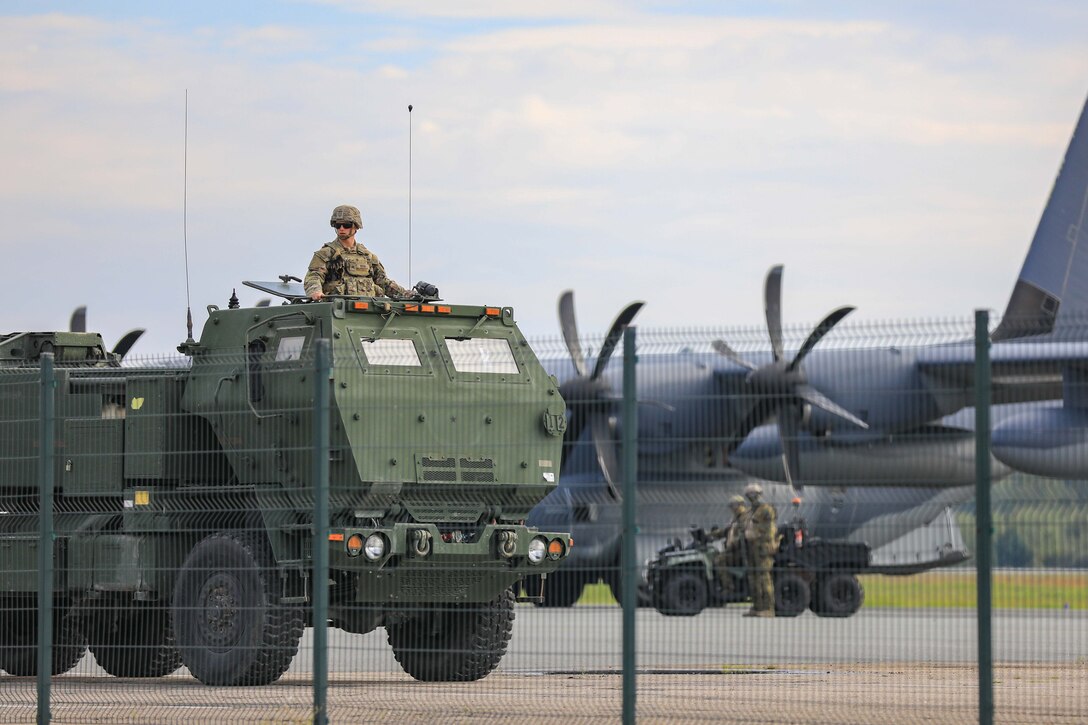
pixel 345 213
pixel 735 501
pixel 753 491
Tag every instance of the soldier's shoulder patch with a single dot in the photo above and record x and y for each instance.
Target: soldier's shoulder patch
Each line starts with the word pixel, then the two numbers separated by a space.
pixel 327 252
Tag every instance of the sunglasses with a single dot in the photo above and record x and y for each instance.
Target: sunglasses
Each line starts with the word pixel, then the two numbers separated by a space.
pixel 342 225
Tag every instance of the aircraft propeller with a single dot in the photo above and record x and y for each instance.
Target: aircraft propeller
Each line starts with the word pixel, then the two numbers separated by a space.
pixel 781 385
pixel 588 396
pixel 78 323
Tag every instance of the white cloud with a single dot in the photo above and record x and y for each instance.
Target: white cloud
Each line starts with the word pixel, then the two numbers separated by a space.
pixel 622 154
pixel 486 9
pixel 271 40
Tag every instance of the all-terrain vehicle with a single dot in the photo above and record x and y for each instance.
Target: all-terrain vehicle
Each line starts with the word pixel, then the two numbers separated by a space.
pixel 819 574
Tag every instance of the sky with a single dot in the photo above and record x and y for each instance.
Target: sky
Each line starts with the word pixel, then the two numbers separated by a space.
pixel 893 156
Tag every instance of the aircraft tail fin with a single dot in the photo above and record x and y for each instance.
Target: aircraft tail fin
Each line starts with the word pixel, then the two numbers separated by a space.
pixel 1053 283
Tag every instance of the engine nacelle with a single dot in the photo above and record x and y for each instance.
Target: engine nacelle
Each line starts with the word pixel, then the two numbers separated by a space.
pixel 1047 441
pixel 937 456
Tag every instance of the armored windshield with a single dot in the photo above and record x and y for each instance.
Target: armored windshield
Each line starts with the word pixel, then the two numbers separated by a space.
pixel 482 355
pixel 390 352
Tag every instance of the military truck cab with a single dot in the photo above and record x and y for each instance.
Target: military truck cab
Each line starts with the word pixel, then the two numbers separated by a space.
pixel 185 496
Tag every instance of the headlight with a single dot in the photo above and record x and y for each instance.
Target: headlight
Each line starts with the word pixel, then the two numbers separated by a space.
pixel 355 544
pixel 538 549
pixel 375 547
pixel 555 549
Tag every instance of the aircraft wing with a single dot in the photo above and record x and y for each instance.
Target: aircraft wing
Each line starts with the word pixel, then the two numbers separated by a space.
pixel 1020 371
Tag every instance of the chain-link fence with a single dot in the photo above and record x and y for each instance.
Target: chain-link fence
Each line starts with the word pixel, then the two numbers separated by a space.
pixel 183 582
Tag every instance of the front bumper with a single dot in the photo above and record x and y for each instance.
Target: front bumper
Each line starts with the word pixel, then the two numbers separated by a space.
pixel 420 563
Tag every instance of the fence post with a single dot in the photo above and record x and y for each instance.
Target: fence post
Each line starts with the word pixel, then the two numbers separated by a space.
pixel 45 536
pixel 630 577
pixel 320 547
pixel 983 518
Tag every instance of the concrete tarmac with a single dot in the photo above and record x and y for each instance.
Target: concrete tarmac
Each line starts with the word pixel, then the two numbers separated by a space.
pixel 887 666
pixel 590 639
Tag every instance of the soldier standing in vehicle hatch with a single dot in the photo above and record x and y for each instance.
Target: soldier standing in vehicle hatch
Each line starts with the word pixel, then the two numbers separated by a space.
pixel 345 267
pixel 761 537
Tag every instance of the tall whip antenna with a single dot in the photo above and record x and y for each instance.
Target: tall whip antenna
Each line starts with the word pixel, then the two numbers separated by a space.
pixel 409 193
pixel 185 222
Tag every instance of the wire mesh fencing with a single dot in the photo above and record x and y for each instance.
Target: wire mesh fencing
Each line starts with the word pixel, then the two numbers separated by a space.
pixel 805 515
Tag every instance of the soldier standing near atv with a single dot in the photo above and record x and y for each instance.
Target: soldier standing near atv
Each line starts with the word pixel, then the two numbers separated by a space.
pixel 761 537
pixel 345 267
pixel 733 553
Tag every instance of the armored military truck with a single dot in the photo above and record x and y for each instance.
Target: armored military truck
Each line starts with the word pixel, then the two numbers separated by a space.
pixel 183 494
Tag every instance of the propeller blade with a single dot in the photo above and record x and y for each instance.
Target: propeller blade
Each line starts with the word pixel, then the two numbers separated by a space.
pixel 813 396
pixel 789 424
pixel 78 323
pixel 576 424
pixel 818 333
pixel 772 306
pixel 605 445
pixel 570 331
pixel 623 319
pixel 126 342
pixel 725 351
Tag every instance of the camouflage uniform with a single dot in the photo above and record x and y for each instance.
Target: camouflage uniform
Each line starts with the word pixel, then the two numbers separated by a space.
pixel 761 535
pixel 733 553
pixel 356 272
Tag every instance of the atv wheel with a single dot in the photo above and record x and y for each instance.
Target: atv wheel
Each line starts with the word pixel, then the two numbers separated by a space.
pixel 229 627
pixel 682 594
pixel 19 642
pixel 838 595
pixel 791 594
pixel 136 642
pixel 454 642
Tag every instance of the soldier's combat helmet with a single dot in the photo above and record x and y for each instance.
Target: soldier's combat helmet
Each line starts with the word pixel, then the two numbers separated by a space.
pixel 753 491
pixel 345 213
pixel 736 500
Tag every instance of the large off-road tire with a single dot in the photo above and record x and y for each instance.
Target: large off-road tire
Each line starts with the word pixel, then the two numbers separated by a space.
pixel 561 588
pixel 837 595
pixel 19 642
pixel 135 641
pixel 681 593
pixel 791 594
pixel 615 585
pixel 454 642
pixel 228 623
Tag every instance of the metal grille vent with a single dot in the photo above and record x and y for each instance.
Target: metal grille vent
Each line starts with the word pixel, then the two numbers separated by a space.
pixel 456 469
pixel 477 470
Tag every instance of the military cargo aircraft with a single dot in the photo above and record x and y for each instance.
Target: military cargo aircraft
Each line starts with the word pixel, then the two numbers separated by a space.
pixel 878 442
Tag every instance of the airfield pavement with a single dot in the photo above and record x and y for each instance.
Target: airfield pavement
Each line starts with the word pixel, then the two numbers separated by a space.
pixel 880 666
pixel 886 694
